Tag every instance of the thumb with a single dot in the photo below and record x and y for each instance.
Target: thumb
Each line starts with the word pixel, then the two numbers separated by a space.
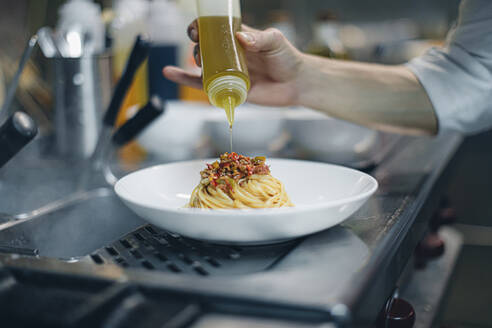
pixel 270 40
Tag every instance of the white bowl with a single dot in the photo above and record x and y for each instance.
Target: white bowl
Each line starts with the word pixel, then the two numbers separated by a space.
pixel 177 133
pixel 324 196
pixel 330 140
pixel 256 130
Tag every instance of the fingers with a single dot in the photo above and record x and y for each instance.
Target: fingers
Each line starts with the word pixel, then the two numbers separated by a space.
pixel 193 31
pixel 247 28
pixel 180 76
pixel 197 56
pixel 270 40
pixel 194 36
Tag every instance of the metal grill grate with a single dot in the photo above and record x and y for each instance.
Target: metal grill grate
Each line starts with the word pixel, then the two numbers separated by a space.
pixel 154 249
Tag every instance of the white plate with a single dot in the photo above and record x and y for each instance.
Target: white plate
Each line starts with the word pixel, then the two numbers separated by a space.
pixel 324 196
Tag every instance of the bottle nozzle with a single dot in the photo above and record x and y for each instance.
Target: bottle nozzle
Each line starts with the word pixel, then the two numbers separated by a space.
pixel 228 92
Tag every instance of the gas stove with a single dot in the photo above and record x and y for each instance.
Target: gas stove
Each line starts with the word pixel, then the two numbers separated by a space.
pixel 94 263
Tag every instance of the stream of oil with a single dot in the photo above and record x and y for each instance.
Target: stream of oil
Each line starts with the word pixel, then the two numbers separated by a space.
pixel 230 136
pixel 229 105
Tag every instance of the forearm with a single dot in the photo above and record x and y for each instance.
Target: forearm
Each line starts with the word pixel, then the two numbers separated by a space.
pixel 384 97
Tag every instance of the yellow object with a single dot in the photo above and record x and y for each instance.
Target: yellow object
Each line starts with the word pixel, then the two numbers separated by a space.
pixel 238 182
pixel 138 92
pixel 256 191
pixel 129 19
pixel 225 74
pixel 136 97
pixel 187 93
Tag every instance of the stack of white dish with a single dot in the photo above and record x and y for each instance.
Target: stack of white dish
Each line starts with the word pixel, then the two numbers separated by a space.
pixel 185 128
pixel 319 137
pixel 177 134
pixel 257 130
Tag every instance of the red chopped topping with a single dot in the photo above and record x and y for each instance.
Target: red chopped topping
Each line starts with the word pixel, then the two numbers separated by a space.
pixel 260 170
pixel 234 156
pixel 229 186
pixel 232 168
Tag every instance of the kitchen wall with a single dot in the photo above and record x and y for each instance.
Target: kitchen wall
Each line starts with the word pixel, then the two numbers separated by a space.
pixel 360 10
pixel 433 17
pixel 20 18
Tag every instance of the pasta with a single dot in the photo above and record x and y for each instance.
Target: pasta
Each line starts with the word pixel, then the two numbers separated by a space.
pixel 238 182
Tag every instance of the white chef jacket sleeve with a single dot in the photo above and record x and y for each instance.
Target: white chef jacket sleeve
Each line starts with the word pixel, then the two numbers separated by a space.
pixel 458 77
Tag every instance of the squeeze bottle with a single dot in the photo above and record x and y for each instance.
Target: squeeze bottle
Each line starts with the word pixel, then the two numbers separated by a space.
pixel 225 75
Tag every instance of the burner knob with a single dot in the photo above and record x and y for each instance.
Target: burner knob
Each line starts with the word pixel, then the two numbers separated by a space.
pixel 430 247
pixel 444 216
pixel 398 314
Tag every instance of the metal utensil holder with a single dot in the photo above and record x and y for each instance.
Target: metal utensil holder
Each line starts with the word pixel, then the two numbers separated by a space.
pixel 82 88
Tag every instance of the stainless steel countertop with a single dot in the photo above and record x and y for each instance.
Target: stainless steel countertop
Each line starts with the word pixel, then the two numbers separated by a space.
pixel 344 273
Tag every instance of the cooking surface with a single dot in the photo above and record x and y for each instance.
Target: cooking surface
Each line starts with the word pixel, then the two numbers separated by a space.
pixel 328 275
pixel 155 249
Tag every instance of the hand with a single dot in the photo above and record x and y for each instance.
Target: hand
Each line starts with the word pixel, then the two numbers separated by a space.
pixel 274 65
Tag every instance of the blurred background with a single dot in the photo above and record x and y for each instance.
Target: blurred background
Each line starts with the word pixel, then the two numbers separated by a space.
pixel 387 31
pixel 426 19
pixel 20 19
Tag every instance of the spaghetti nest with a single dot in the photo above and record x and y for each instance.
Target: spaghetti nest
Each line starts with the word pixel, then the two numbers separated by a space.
pixel 239 182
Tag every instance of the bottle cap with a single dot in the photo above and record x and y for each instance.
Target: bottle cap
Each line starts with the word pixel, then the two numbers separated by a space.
pixel 230 84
